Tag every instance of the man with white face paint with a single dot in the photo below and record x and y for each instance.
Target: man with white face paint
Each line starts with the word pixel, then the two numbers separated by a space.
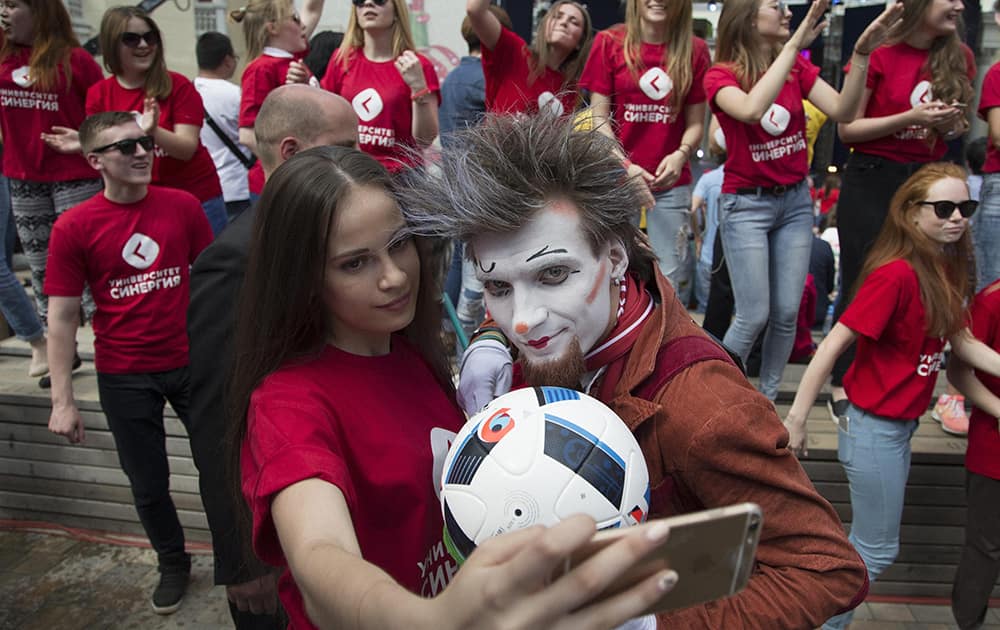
pixel 573 285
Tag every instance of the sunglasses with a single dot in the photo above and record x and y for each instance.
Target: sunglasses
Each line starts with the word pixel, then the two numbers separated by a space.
pixel 127 146
pixel 944 209
pixel 132 40
pixel 361 3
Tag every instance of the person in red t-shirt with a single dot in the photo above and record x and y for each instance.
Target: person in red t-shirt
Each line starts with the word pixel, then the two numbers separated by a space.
pixel 394 90
pixel 918 88
pixel 646 76
pixel 344 411
pixel 756 89
pixel 44 78
pixel 133 245
pixel 980 565
pixel 277 38
pixel 520 78
pixel 986 225
pixel 912 299
pixel 166 104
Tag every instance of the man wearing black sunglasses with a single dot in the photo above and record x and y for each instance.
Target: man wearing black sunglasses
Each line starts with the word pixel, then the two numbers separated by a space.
pixel 132 244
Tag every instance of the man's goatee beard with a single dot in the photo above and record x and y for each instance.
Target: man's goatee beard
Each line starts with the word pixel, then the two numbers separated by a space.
pixel 564 371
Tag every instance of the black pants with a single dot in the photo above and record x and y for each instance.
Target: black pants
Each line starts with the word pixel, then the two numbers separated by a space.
pixel 719 309
pixel 133 404
pixel 980 563
pixel 869 184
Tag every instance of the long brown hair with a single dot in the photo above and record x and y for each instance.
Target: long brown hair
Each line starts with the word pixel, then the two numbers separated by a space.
pixel 739 45
pixel 53 42
pixel 947 63
pixel 255 17
pixel 943 271
pixel 115 22
pixel 572 66
pixel 354 36
pixel 676 53
pixel 281 317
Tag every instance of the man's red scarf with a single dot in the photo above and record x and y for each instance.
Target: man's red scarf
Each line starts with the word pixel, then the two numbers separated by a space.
pixel 634 307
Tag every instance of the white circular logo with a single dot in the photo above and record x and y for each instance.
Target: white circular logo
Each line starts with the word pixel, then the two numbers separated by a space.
pixel 548 99
pixel 775 120
pixel 367 104
pixel 22 77
pixel 921 94
pixel 656 84
pixel 140 251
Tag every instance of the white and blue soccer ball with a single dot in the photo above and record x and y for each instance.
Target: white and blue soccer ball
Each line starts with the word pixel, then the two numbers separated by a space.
pixel 537 456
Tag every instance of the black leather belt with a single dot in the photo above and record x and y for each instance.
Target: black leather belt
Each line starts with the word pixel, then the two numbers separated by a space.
pixel 780 189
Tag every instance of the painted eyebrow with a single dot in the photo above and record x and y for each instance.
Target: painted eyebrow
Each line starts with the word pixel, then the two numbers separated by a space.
pixel 544 252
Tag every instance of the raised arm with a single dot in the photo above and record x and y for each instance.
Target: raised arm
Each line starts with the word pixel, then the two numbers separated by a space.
pixel 843 106
pixel 484 23
pixel 504 583
pixel 750 107
pixel 311 11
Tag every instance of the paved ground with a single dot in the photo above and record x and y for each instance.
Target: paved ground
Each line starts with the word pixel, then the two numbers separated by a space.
pixel 56 581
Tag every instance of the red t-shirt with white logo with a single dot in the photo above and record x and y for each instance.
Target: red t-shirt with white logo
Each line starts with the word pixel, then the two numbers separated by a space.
pixel 506 68
pixel 898 83
pixel 183 107
pixel 381 99
pixel 377 428
pixel 263 74
pixel 896 364
pixel 640 106
pixel 988 99
pixel 983 453
pixel 773 151
pixel 135 259
pixel 26 112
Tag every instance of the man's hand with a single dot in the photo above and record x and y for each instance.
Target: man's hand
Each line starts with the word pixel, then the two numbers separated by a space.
pixel 259 596
pixel 65 420
pixel 487 372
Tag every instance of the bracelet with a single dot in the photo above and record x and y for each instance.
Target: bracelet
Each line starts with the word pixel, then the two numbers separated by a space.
pixel 686 149
pixel 419 94
pixel 862 54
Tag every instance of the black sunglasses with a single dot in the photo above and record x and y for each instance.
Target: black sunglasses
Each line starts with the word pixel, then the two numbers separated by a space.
pixel 361 3
pixel 127 146
pixel 132 40
pixel 944 209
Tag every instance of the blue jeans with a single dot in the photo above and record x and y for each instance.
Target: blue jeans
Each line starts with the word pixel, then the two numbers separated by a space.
pixel 875 453
pixel 986 232
pixel 767 240
pixel 14 303
pixel 669 227
pixel 215 211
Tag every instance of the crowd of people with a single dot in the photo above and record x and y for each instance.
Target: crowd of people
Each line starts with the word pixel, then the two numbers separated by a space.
pixel 271 259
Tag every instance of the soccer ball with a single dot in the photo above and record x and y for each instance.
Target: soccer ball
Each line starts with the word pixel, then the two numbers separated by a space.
pixel 540 455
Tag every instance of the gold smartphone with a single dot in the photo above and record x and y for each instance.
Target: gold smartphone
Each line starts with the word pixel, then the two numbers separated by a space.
pixel 712 552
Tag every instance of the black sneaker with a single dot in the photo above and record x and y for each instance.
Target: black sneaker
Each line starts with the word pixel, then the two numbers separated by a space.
pixel 175 572
pixel 838 411
pixel 46 381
